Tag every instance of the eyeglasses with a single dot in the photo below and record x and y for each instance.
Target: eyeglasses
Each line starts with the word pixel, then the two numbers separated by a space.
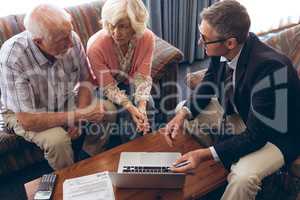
pixel 202 40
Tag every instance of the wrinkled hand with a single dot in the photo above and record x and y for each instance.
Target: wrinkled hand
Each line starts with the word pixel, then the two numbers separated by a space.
pixel 93 113
pixel 142 108
pixel 138 118
pixel 194 157
pixel 174 128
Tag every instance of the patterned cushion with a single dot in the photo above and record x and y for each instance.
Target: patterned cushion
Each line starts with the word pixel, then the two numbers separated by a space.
pixel 164 54
pixel 193 79
pixel 208 119
pixel 288 42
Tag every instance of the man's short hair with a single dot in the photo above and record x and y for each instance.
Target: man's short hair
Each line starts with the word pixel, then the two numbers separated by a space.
pixel 229 19
pixel 41 18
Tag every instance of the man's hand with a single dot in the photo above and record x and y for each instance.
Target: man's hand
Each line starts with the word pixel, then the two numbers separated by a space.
pixel 93 113
pixel 175 127
pixel 194 158
pixel 73 132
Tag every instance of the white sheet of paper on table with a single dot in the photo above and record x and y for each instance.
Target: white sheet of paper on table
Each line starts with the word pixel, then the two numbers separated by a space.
pixel 91 187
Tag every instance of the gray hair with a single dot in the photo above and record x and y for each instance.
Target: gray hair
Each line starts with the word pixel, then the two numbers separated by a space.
pixel 44 17
pixel 135 10
pixel 229 18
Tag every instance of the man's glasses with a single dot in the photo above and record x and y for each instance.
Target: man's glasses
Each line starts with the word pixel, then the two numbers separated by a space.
pixel 202 40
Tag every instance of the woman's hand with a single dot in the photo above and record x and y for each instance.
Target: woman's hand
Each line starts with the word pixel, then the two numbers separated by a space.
pixel 136 115
pixel 142 106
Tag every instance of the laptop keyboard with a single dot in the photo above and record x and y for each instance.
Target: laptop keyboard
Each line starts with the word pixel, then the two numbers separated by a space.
pixel 135 169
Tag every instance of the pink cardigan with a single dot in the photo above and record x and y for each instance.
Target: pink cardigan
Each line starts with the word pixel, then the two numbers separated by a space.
pixel 104 61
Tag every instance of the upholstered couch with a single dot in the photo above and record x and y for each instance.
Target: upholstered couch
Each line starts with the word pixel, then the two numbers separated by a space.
pixel 287 41
pixel 17 156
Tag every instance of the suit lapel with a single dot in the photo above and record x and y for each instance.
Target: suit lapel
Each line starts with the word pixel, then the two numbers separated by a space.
pixel 242 63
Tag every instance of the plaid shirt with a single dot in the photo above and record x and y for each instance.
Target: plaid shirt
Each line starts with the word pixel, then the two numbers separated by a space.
pixel 31 83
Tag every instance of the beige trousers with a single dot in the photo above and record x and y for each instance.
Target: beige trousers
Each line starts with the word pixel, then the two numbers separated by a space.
pixel 246 175
pixel 244 179
pixel 56 143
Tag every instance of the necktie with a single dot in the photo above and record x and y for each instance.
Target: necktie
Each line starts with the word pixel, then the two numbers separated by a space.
pixel 228 97
pixel 229 94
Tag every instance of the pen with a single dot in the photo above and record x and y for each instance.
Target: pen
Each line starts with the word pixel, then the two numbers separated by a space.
pixel 181 164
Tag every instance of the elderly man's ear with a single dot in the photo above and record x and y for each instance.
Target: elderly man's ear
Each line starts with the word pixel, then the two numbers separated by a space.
pixel 231 43
pixel 37 41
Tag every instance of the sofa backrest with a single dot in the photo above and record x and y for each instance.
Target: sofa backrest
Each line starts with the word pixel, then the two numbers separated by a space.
pixel 86 22
pixel 287 42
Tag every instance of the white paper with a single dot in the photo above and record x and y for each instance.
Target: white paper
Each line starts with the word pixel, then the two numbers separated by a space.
pixel 92 187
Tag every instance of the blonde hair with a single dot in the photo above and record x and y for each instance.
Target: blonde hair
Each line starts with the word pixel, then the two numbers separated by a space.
pixel 135 10
pixel 44 17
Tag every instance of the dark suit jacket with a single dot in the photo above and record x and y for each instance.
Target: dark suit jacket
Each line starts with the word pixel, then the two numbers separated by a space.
pixel 267 97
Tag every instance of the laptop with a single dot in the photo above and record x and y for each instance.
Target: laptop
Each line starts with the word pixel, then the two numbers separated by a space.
pixel 147 170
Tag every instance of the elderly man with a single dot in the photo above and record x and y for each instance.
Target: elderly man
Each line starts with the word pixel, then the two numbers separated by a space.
pixel 40 71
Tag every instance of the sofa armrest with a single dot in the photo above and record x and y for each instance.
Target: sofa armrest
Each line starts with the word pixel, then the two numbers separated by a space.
pixel 194 78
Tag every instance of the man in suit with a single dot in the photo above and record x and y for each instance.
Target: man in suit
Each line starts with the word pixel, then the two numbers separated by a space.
pixel 250 79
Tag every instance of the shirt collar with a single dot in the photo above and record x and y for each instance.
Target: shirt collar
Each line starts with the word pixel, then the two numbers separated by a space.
pixel 233 63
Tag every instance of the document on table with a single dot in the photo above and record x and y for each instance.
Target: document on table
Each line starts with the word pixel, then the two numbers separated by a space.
pixel 92 187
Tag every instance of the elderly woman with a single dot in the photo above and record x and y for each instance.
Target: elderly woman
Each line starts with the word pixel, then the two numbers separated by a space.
pixel 121 55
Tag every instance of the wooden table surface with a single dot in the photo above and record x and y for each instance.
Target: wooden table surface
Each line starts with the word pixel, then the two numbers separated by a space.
pixel 206 178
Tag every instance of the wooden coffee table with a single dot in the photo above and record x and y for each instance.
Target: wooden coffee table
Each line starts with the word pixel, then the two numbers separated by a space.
pixel 209 176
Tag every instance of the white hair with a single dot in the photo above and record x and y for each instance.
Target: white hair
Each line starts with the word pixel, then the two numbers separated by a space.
pixel 135 10
pixel 43 18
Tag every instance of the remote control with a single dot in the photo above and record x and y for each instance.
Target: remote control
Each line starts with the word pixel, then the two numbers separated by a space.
pixel 46 187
